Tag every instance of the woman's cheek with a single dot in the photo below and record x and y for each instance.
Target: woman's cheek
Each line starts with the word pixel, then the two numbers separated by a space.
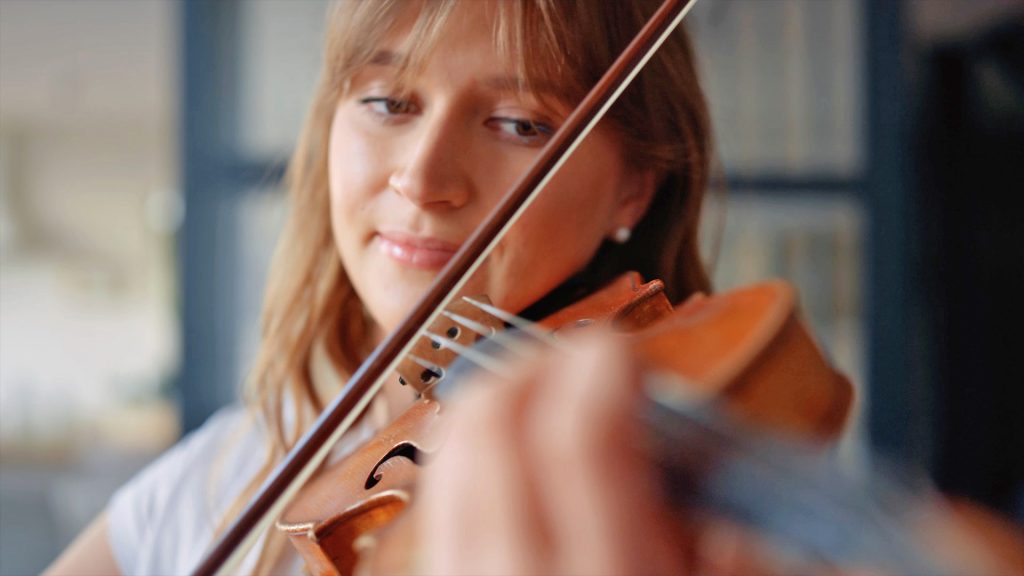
pixel 519 273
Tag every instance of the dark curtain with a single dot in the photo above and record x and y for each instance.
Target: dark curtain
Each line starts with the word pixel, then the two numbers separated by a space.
pixel 970 187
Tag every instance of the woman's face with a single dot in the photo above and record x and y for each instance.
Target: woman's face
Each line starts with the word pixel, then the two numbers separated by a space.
pixel 413 173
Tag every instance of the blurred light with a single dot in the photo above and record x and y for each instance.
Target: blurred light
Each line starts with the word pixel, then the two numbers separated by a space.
pixel 165 211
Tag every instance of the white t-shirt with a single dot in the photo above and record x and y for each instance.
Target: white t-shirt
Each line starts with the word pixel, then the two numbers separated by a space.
pixel 163 520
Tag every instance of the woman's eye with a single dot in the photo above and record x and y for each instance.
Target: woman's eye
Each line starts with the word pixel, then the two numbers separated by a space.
pixel 527 131
pixel 388 106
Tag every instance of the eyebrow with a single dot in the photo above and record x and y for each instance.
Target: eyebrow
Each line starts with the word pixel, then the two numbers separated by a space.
pixel 513 84
pixel 385 58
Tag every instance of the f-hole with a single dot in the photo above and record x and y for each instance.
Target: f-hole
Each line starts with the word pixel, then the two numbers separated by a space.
pixel 404 450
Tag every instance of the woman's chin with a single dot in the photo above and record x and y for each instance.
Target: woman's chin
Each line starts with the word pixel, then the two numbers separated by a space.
pixel 389 307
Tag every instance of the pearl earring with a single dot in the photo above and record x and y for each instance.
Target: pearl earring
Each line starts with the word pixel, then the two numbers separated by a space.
pixel 621 235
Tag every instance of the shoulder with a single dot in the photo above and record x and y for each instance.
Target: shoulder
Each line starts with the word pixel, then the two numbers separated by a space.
pixel 164 517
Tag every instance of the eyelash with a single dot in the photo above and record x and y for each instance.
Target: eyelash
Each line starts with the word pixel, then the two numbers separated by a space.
pixel 389 109
pixel 540 131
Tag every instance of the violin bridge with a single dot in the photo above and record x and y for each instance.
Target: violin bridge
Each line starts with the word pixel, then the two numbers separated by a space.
pixel 482 360
pixel 458 328
pixel 522 324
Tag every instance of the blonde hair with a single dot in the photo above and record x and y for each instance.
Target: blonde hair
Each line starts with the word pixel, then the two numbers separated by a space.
pixel 662 121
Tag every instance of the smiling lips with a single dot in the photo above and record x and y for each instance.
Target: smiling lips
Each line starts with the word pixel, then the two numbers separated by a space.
pixel 416 251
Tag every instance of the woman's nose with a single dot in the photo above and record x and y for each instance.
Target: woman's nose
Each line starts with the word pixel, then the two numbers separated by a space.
pixel 435 172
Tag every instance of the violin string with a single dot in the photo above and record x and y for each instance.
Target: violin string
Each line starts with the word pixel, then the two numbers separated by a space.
pixel 525 326
pixel 481 329
pixel 490 363
pixel 494 362
pixel 502 338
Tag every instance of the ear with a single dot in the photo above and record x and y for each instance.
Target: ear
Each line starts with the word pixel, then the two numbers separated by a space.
pixel 635 198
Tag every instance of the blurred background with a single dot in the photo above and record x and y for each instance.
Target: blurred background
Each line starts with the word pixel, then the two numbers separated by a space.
pixel 869 148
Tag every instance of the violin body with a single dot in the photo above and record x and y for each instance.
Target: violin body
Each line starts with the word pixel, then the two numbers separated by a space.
pixel 333 521
pixel 746 348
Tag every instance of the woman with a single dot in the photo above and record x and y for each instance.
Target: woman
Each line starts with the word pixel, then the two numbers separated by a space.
pixel 426 114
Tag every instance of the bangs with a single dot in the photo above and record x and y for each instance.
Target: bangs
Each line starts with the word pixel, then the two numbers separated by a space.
pixel 524 36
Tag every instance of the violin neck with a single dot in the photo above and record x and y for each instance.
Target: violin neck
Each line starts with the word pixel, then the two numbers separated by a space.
pixel 793 491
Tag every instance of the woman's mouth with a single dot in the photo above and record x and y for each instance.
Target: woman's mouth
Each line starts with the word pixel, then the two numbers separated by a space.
pixel 421 252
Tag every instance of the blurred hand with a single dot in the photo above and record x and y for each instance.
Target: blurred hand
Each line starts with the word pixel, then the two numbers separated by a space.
pixel 544 472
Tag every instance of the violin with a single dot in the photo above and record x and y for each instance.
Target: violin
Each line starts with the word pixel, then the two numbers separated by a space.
pixel 742 408
pixel 745 349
